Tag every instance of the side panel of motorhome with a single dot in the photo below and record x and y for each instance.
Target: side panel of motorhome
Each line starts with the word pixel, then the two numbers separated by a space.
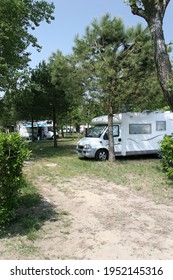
pixel 144 131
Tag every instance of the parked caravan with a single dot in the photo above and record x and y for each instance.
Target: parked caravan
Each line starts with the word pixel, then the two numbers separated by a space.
pixel 134 134
pixel 41 130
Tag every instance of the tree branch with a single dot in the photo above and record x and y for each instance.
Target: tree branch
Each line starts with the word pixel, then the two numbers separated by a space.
pixel 136 10
pixel 164 5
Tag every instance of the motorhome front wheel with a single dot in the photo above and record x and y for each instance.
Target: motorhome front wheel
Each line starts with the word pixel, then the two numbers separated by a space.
pixel 101 154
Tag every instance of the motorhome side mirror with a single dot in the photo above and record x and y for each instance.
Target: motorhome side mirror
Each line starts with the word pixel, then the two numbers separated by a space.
pixel 119 139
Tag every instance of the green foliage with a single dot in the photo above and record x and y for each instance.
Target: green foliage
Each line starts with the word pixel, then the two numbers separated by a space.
pixel 18 18
pixel 13 152
pixel 139 79
pixel 98 52
pixel 167 155
pixel 120 66
pixel 8 112
pixel 65 76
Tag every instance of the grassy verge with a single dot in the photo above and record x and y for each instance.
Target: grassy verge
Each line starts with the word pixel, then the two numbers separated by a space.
pixel 139 173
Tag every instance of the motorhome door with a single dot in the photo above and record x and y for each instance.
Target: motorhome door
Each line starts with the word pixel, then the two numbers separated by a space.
pixel 117 139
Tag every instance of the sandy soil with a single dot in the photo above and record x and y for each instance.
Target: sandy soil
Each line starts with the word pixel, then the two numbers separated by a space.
pixel 105 221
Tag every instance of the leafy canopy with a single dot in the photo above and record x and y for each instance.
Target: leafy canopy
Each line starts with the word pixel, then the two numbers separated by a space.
pixel 18 19
pixel 119 66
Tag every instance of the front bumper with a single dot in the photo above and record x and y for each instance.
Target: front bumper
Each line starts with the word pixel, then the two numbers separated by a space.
pixel 85 153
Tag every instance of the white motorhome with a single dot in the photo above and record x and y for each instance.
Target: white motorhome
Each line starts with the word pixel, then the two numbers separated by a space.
pixel 41 129
pixel 134 134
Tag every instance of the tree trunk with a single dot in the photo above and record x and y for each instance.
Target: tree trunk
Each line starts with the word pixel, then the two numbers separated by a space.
pixel 111 138
pixel 153 12
pixel 32 129
pixel 54 128
pixel 162 60
pixel 62 132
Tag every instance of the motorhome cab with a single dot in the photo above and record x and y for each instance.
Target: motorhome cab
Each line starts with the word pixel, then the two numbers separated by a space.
pixel 134 134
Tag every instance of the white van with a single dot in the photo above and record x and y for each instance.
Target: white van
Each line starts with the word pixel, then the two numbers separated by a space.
pixel 134 134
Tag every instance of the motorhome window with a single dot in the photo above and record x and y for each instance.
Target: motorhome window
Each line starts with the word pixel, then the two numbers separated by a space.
pixel 50 128
pixel 139 128
pixel 115 130
pixel 96 131
pixel 160 125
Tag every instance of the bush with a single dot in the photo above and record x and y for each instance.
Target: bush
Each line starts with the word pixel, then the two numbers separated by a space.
pixel 13 152
pixel 167 155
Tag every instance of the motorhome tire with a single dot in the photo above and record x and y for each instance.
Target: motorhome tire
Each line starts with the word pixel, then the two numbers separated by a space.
pixel 101 155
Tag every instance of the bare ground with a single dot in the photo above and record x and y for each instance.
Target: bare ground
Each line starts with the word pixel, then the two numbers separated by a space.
pixel 100 221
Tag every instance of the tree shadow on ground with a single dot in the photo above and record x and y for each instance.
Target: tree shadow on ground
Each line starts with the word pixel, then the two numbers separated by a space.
pixel 45 149
pixel 33 212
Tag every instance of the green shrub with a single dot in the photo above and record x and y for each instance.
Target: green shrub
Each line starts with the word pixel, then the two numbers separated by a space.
pixel 13 152
pixel 167 155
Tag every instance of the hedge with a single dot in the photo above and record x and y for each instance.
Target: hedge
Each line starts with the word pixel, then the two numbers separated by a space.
pixel 166 150
pixel 13 152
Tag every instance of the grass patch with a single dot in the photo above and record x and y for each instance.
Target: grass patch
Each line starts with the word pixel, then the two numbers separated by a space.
pixel 32 235
pixel 140 173
pixel 31 214
pixel 23 247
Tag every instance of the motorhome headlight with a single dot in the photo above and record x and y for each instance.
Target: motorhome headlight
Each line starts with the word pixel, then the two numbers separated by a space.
pixel 87 146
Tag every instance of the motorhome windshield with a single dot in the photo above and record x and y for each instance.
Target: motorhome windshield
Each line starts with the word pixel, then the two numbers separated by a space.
pixel 96 131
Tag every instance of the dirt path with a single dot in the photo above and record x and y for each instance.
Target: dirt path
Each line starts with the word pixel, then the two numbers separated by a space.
pixel 105 221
